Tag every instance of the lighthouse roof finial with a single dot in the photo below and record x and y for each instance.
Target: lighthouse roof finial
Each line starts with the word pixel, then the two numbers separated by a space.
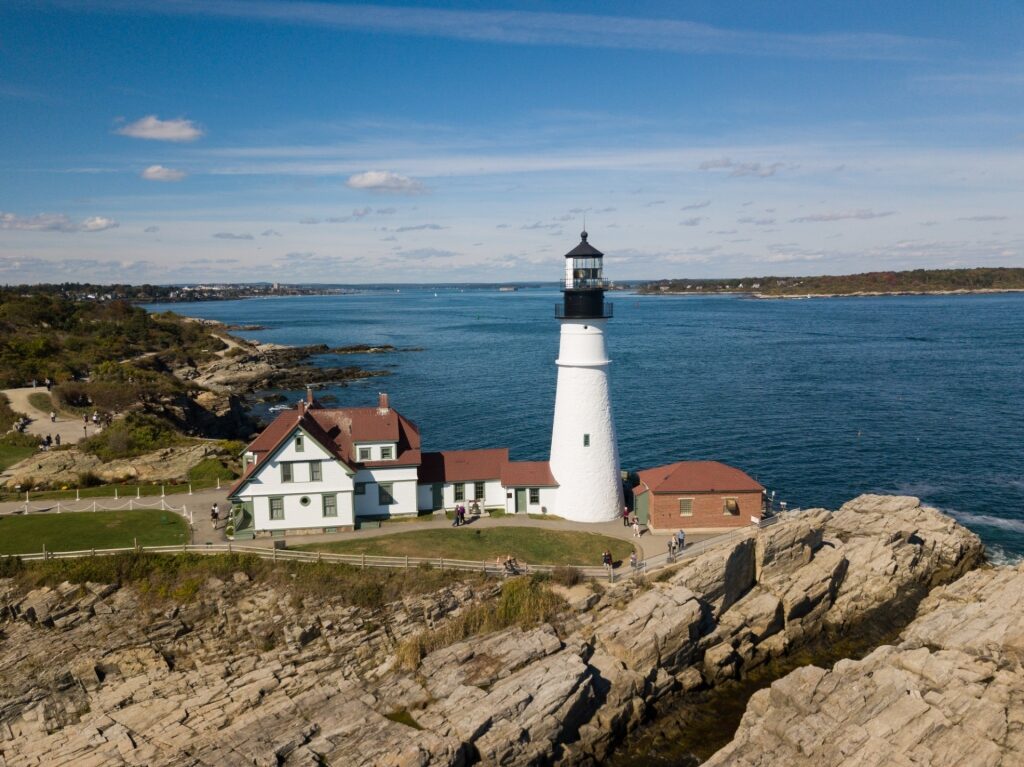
pixel 584 249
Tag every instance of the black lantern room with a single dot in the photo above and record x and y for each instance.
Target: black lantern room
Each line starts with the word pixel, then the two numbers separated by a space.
pixel 584 285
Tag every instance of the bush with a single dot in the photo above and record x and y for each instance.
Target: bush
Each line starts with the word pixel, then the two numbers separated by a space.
pixel 134 435
pixel 211 468
pixel 88 479
pixel 566 575
pixel 17 439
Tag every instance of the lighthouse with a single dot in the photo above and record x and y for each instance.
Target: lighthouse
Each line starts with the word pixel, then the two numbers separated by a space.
pixel 584 451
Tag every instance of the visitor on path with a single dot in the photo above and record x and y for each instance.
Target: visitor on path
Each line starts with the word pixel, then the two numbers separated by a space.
pixel 455 517
pixel 85 431
pixel 53 417
pixel 462 515
pixel 636 528
pixel 49 385
pixel 215 515
pixel 680 539
pixel 606 558
pixel 632 560
pixel 672 549
pixel 625 516
pixel 56 440
pixel 49 440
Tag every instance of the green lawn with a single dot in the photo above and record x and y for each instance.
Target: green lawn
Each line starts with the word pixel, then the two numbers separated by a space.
pixel 107 491
pixel 10 455
pixel 527 544
pixel 90 530
pixel 41 400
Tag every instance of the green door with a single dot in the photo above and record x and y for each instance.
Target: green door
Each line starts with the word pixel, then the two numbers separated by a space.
pixel 520 500
pixel 641 506
pixel 438 490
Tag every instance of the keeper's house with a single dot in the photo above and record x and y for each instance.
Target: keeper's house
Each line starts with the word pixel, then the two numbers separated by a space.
pixel 316 469
pixel 697 496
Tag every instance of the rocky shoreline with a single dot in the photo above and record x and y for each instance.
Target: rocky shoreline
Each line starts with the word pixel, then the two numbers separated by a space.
pixel 190 685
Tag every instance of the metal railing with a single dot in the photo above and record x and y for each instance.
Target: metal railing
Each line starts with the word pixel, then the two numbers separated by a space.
pixel 364 561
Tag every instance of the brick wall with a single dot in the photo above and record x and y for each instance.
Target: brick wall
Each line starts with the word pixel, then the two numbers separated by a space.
pixel 707 509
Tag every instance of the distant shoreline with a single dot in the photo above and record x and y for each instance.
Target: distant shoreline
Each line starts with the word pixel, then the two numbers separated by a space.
pixel 858 294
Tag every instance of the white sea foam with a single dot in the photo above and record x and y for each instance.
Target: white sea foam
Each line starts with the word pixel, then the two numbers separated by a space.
pixel 987 520
pixel 997 555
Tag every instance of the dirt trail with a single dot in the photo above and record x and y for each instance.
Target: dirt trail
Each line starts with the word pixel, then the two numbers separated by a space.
pixel 69 428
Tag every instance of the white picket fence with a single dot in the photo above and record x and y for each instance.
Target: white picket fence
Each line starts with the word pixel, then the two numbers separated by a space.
pixel 443 563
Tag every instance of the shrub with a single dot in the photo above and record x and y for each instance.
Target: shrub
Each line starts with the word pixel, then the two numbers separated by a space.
pixel 88 479
pixel 566 575
pixel 134 435
pixel 211 468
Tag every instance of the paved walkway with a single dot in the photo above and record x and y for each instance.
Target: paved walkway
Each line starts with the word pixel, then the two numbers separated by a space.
pixel 198 507
pixel 68 427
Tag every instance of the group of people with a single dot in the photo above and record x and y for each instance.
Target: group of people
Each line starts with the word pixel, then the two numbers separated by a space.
pixel 676 544
pixel 49 441
pixel 631 520
pixel 511 565
pixel 46 382
pixel 460 513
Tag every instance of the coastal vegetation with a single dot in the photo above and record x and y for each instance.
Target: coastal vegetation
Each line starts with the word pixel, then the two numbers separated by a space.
pixel 90 530
pixel 135 434
pixel 526 544
pixel 915 281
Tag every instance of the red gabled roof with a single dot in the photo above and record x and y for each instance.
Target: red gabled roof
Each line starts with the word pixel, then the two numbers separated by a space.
pixel 463 465
pixel 338 430
pixel 698 477
pixel 527 474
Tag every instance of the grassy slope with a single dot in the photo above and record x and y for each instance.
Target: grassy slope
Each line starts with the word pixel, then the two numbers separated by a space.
pixel 10 455
pixel 88 530
pixel 527 544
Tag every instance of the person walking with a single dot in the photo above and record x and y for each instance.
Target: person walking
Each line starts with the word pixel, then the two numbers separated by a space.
pixel 633 560
pixel 636 528
pixel 53 417
pixel 680 539
pixel 671 549
pixel 625 516
pixel 56 440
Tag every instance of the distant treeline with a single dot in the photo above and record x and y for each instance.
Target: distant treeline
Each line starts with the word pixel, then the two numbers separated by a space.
pixel 915 281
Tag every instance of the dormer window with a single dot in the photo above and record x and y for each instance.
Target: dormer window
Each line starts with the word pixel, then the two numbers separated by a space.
pixel 387 453
pixel 299 443
pixel 364 454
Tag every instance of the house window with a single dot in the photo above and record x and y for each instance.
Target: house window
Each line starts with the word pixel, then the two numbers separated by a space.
pixel 277 508
pixel 364 454
pixel 299 443
pixel 387 453
pixel 731 507
pixel 384 497
pixel 686 507
pixel 478 490
pixel 534 495
pixel 315 472
pixel 330 505
pixel 460 491
pixel 286 472
pixel 360 488
pixel 586 440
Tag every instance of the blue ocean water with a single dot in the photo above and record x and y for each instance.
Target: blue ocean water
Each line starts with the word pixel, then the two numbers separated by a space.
pixel 819 399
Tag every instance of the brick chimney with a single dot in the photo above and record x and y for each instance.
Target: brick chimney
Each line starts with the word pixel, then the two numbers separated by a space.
pixel 309 395
pixel 382 403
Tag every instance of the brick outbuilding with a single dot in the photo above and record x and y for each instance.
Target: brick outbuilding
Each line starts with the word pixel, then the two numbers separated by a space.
pixel 697 496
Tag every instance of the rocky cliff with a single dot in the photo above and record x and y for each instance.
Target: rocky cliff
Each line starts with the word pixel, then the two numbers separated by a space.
pixel 87 677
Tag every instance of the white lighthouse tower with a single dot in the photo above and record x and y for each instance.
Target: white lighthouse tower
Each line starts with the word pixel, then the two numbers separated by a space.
pixel 584 451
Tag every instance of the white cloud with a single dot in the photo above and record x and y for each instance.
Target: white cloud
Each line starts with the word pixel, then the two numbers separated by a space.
pixel 160 173
pixel 737 169
pixel 755 221
pixel 418 228
pixel 384 181
pixel 840 215
pixel 696 205
pixel 232 236
pixel 153 128
pixel 55 222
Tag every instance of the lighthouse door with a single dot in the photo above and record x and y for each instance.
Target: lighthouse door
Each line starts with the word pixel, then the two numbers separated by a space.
pixel 520 500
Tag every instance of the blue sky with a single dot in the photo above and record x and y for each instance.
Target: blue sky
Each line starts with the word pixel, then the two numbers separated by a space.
pixel 225 140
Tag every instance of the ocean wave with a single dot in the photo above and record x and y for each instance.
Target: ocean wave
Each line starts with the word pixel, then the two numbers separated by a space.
pixel 997 555
pixel 987 520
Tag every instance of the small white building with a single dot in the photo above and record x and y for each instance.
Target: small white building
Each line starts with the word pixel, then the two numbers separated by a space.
pixel 317 469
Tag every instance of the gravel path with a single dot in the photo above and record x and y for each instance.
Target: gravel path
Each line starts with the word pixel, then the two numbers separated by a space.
pixel 69 428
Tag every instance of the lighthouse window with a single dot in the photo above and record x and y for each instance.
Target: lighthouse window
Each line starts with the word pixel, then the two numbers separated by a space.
pixel 534 495
pixel 586 440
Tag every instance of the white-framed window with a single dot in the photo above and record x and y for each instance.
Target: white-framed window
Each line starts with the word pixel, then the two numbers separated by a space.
pixel 360 488
pixel 364 454
pixel 277 508
pixel 730 507
pixel 686 507
pixel 315 471
pixel 387 453
pixel 460 491
pixel 299 443
pixel 287 475
pixel 478 490
pixel 534 495
pixel 384 496
pixel 330 505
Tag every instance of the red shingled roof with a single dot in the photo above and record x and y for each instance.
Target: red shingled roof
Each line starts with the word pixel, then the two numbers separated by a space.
pixel 527 474
pixel 697 477
pixel 463 465
pixel 338 430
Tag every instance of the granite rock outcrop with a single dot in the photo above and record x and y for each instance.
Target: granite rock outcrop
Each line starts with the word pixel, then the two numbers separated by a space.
pixel 245 675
